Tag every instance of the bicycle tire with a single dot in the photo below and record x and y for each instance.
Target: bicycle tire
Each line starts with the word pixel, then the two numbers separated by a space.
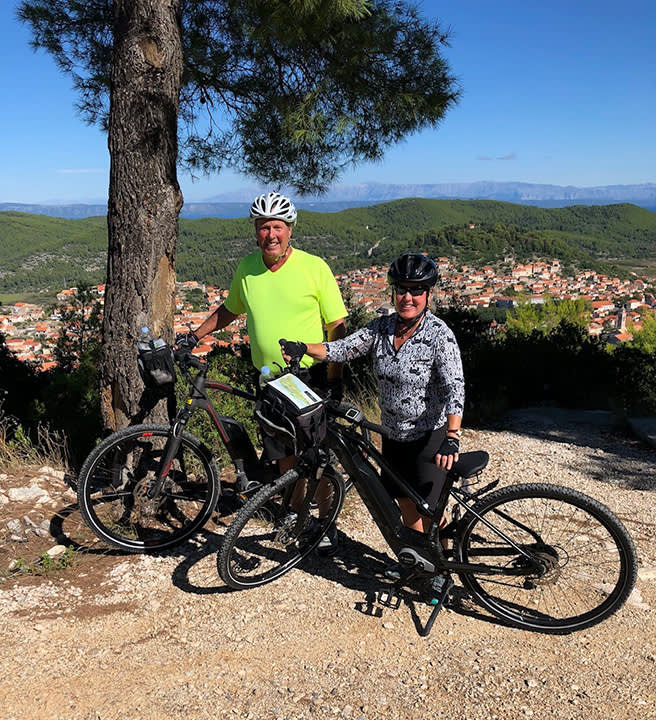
pixel 262 543
pixel 589 562
pixel 113 479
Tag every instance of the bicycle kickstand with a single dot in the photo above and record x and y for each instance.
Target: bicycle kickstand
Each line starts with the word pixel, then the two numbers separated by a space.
pixel 438 603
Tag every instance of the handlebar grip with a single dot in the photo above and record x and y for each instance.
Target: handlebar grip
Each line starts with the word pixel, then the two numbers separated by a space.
pixel 184 357
pixel 356 416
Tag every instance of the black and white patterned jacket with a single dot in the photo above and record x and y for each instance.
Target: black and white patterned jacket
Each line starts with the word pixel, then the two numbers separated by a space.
pixel 420 383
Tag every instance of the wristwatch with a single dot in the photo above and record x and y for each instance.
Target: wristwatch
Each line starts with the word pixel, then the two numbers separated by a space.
pixel 455 431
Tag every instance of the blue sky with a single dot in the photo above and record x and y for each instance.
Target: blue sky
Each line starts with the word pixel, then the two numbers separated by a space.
pixel 556 92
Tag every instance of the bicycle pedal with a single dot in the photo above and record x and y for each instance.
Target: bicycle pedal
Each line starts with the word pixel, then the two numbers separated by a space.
pixel 388 598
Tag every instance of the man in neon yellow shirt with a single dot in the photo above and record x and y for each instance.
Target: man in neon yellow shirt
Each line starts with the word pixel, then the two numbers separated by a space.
pixel 284 292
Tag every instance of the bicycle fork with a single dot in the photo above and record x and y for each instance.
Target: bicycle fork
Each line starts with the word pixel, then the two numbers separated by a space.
pixel 318 461
pixel 171 450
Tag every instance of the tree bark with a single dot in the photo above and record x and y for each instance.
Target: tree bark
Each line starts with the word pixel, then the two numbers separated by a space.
pixel 144 195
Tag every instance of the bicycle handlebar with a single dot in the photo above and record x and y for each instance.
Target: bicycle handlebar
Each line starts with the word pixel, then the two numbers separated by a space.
pixel 355 416
pixel 185 359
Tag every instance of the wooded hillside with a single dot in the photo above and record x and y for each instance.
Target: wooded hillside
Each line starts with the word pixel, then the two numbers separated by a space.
pixel 45 253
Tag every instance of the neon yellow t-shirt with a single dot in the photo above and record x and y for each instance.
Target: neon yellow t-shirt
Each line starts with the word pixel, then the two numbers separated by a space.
pixel 293 302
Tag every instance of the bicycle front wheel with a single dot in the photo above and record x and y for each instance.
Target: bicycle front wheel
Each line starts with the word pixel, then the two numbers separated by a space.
pixel 115 478
pixel 267 538
pixel 565 562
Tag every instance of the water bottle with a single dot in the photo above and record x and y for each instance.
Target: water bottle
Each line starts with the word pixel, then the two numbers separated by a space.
pixel 265 376
pixel 145 339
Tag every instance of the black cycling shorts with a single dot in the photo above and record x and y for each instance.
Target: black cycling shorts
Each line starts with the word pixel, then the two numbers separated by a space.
pixel 414 461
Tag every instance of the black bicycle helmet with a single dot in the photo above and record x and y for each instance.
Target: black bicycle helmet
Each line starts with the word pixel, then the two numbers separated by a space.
pixel 413 268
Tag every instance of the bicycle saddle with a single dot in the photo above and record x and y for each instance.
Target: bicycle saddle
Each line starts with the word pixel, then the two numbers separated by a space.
pixel 470 464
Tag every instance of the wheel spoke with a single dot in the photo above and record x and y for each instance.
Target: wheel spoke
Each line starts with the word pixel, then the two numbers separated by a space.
pixel 581 567
pixel 268 538
pixel 114 485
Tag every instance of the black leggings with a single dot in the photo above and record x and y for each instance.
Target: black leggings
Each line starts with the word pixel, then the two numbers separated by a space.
pixel 414 461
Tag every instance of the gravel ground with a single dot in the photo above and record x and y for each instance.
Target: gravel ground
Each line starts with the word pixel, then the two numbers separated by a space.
pixel 118 636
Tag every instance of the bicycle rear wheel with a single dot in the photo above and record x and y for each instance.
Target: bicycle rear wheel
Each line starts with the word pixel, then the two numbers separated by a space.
pixel 113 481
pixel 581 560
pixel 266 538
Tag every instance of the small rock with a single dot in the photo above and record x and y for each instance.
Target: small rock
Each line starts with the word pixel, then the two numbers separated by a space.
pixel 53 472
pixel 635 600
pixel 56 550
pixel 26 494
pixel 14 525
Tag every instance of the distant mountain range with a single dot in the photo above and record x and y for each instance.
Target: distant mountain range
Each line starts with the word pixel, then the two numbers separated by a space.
pixel 235 203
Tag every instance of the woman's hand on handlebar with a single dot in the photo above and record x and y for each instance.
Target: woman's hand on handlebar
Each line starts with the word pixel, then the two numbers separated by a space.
pixel 292 350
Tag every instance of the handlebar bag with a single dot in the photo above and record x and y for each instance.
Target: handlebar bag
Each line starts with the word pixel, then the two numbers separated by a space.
pixel 290 411
pixel 156 365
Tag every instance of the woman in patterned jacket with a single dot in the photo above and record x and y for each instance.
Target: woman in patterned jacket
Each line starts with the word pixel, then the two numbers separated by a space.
pixel 418 366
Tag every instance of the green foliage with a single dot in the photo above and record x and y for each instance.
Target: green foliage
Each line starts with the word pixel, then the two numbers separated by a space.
pixel 52 413
pixel 359 378
pixel 69 402
pixel 634 380
pixel 235 370
pixel 46 564
pixel 340 80
pixel 42 252
pixel 562 366
pixel 645 338
pixel 197 299
pixel 81 327
pixel 526 317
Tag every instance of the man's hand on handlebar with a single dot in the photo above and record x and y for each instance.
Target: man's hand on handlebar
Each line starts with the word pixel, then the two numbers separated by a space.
pixel 292 351
pixel 186 341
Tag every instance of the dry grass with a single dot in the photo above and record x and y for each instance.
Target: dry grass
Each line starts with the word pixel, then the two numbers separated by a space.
pixel 18 449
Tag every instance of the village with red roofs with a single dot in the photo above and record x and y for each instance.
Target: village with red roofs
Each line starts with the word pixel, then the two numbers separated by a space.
pixel 616 306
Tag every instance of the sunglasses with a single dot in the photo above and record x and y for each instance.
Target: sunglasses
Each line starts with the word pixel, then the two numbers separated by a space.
pixel 415 290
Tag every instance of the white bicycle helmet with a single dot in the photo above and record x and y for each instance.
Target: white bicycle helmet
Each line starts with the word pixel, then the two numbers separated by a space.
pixel 273 206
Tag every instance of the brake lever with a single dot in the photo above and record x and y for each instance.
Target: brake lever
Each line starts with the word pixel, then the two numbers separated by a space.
pixel 186 359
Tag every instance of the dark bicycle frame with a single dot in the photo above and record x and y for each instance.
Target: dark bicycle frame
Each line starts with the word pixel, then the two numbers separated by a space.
pixel 355 452
pixel 232 433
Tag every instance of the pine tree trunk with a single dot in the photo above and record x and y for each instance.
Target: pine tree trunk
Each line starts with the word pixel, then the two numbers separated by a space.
pixel 144 195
